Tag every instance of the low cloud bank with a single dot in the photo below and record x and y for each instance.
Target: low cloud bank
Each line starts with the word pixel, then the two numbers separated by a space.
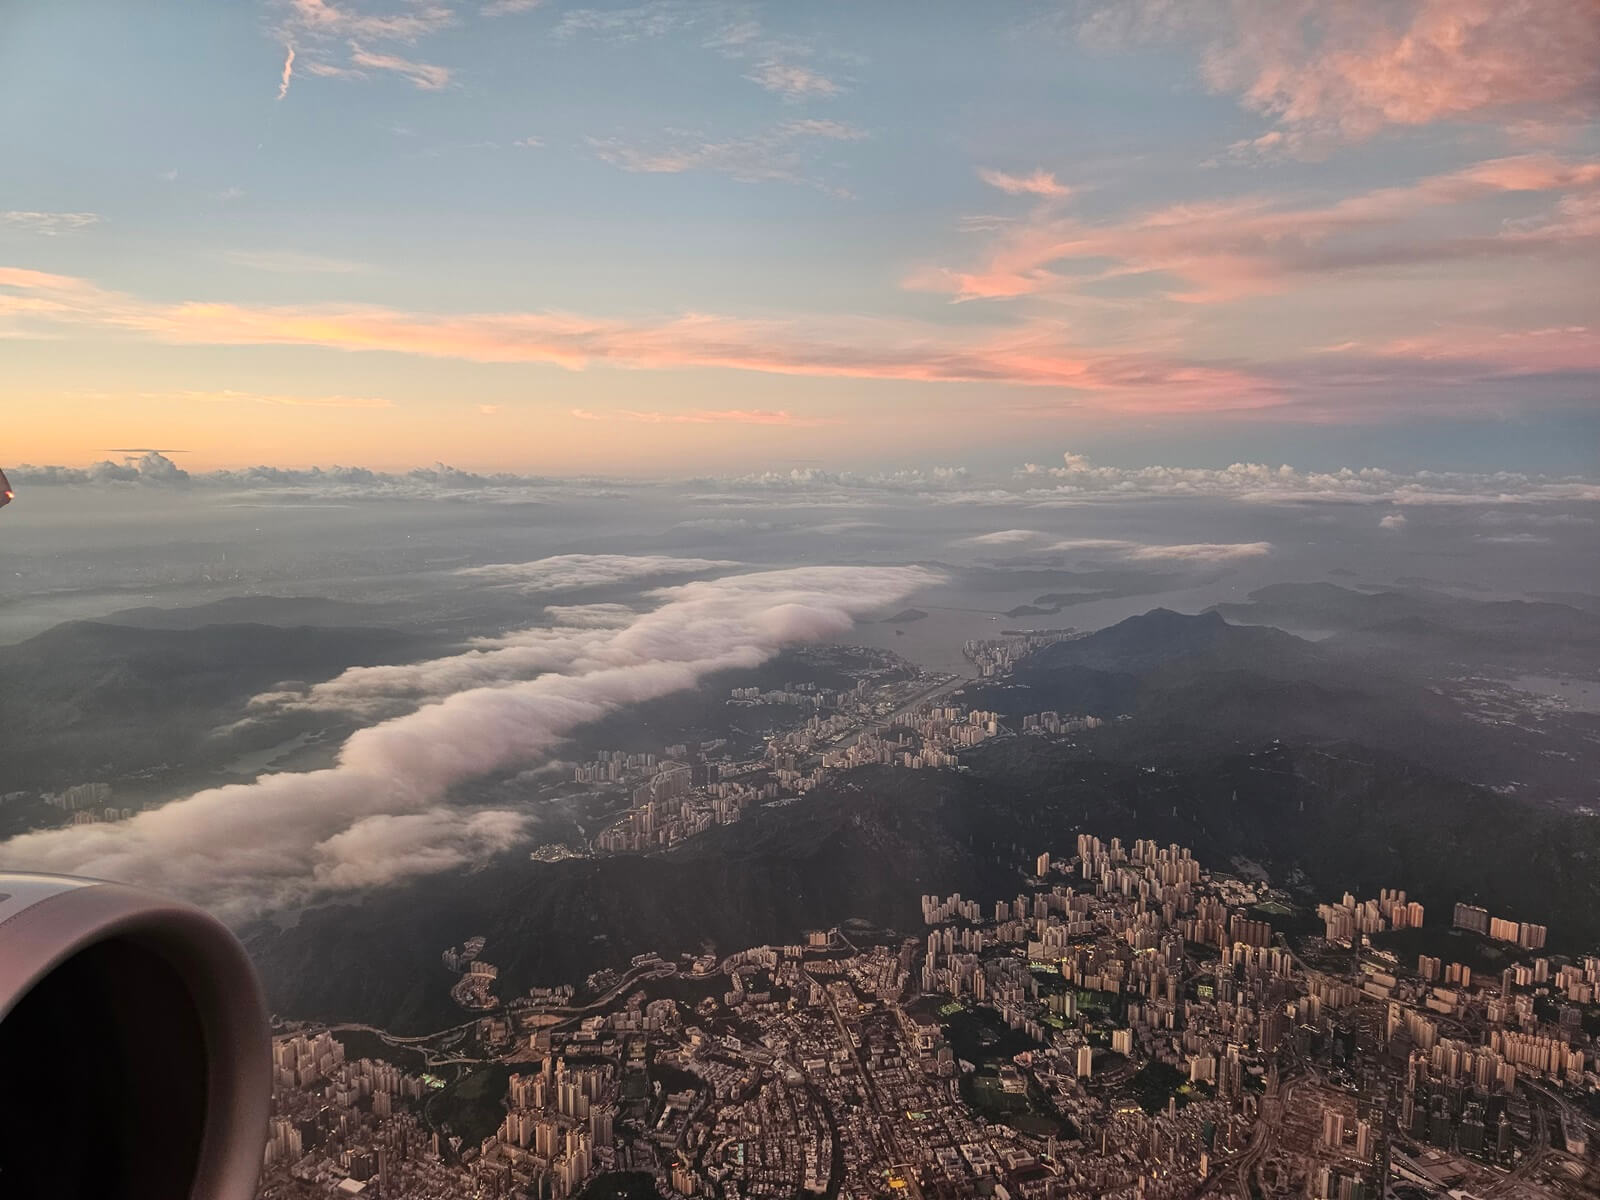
pixel 379 815
pixel 1077 480
pixel 1080 479
pixel 1121 550
pixel 1007 537
pixel 438 482
pixel 573 572
pixel 1191 552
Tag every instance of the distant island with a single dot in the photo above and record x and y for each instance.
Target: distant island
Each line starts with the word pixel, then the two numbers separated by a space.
pixel 905 616
pixel 1030 610
pixel 1052 603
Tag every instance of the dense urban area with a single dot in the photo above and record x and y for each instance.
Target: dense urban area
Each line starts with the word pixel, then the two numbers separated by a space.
pixel 1129 1024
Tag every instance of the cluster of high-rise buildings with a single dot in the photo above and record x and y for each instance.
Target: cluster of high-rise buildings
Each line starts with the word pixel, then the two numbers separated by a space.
pixel 1525 934
pixel 80 797
pixel 996 656
pixel 559 1125
pixel 669 808
pixel 1059 723
pixel 1346 921
pixel 803 695
pixel 928 737
pixel 349 1126
pixel 683 793
pixel 1127 1025
pixel 84 803
pixel 614 766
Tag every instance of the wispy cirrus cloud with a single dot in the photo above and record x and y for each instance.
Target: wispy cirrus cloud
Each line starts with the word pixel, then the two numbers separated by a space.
pixel 701 416
pixel 505 8
pixel 1251 151
pixel 793 81
pixel 411 22
pixel 1327 74
pixel 1376 383
pixel 652 19
pixel 1255 243
pixel 786 153
pixel 335 40
pixel 48 224
pixel 859 348
pixel 1039 183
pixel 1510 351
pixel 728 28
pixel 426 76
pixel 329 70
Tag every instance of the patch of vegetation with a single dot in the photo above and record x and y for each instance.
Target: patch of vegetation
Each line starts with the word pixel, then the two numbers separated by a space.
pixel 1026 1112
pixel 1448 945
pixel 473 1106
pixel 358 1043
pixel 1154 1084
pixel 980 1036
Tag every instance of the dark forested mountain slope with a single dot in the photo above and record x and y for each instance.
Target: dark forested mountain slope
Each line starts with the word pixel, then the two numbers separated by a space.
pixel 871 844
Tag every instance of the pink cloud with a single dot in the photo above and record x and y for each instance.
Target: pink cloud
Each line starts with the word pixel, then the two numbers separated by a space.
pixel 1220 250
pixel 329 70
pixel 426 76
pixel 1349 381
pixel 1035 355
pixel 1516 352
pixel 792 81
pixel 1039 183
pixel 786 153
pixel 322 17
pixel 288 71
pixel 1341 72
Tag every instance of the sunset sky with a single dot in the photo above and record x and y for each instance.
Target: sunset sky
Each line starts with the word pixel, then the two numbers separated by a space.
pixel 683 236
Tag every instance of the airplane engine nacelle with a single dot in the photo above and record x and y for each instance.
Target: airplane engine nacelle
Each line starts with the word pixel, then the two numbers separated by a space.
pixel 134 1050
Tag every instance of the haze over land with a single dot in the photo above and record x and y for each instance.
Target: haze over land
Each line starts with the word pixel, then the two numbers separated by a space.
pixel 435 629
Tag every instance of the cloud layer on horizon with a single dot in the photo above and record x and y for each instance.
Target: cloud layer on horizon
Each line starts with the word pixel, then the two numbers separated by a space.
pixel 1078 480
